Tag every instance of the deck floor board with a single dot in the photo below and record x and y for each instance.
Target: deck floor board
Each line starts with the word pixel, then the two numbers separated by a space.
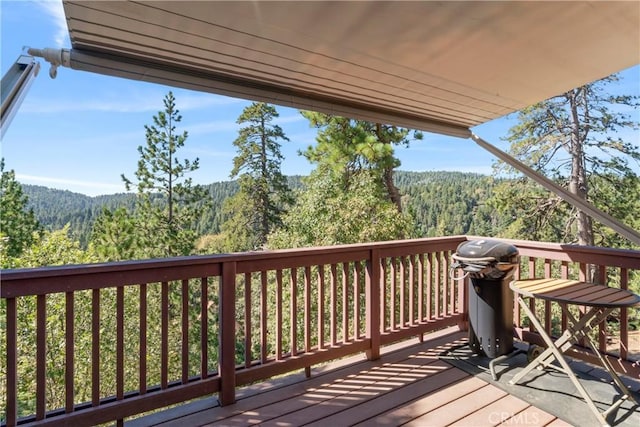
pixel 409 386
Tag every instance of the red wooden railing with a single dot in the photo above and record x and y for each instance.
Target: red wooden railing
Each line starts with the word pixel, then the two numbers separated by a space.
pixel 132 337
pixel 96 343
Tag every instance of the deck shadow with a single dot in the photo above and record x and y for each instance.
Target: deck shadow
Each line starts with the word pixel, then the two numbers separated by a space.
pixel 550 390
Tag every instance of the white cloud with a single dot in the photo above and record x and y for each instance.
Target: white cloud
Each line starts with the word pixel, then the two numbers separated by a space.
pixel 83 185
pixel 141 102
pixel 54 9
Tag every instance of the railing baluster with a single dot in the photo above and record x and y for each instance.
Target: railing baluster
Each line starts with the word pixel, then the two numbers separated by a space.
pixel 247 320
pixel 204 328
pixel 444 283
pixel 403 292
pixel 532 301
pixel 437 285
pixel 463 298
pixel 345 303
pixel 516 306
pixel 412 292
pixel 430 296
pixel 293 311
pixel 356 300
pixel 547 304
pixel 393 304
pixel 278 325
pixel 602 327
pixel 95 347
pixel 564 274
pixel 142 334
pixel 421 301
pixel 384 310
pixel 307 309
pixel 583 276
pixel 69 352
pixel 334 308
pixel 263 317
pixel 185 331
pixel 583 272
pixel 41 352
pixel 12 363
pixel 321 307
pixel 164 335
pixel 624 319
pixel 120 342
pixel 451 284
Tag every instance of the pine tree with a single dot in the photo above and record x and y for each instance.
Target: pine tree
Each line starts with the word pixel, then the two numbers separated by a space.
pixel 348 146
pixel 168 204
pixel 573 139
pixel 263 193
pixel 17 223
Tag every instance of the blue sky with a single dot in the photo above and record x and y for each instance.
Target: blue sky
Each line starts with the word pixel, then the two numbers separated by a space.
pixel 80 131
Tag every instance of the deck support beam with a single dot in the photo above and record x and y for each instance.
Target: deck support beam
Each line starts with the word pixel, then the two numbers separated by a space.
pixel 372 295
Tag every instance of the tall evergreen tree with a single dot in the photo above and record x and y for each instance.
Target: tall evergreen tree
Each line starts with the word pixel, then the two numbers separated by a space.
pixel 574 139
pixel 348 146
pixel 263 193
pixel 168 204
pixel 17 222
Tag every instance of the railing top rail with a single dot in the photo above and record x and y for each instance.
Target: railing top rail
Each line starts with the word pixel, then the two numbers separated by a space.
pixel 31 281
pixel 34 281
pixel 625 258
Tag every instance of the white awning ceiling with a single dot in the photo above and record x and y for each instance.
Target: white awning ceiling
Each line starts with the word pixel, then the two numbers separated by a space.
pixel 435 66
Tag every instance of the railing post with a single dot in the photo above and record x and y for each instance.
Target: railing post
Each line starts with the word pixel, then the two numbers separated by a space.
pixel 373 308
pixel 12 363
pixel 227 366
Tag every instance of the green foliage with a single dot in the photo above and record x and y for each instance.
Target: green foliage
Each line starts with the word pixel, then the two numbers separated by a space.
pixel 264 193
pixel 161 229
pixel 329 214
pixel 344 147
pixel 449 203
pixel 617 196
pixel 18 225
pixel 54 248
pixel 114 235
pixel 441 203
pixel 531 211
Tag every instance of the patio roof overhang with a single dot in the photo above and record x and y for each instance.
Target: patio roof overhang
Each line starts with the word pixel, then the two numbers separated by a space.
pixel 440 67
pixel 436 66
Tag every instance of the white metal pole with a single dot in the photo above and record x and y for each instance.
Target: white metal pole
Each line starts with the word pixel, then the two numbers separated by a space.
pixel 586 207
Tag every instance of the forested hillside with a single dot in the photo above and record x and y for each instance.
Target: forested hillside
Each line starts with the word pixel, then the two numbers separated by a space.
pixel 442 203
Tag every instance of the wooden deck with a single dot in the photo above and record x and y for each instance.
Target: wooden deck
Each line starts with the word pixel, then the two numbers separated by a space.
pixel 408 386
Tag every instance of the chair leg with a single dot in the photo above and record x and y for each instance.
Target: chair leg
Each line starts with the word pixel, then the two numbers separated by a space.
pixel 557 354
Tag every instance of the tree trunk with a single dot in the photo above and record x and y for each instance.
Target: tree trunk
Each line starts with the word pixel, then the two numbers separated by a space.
pixel 387 175
pixel 392 190
pixel 578 178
